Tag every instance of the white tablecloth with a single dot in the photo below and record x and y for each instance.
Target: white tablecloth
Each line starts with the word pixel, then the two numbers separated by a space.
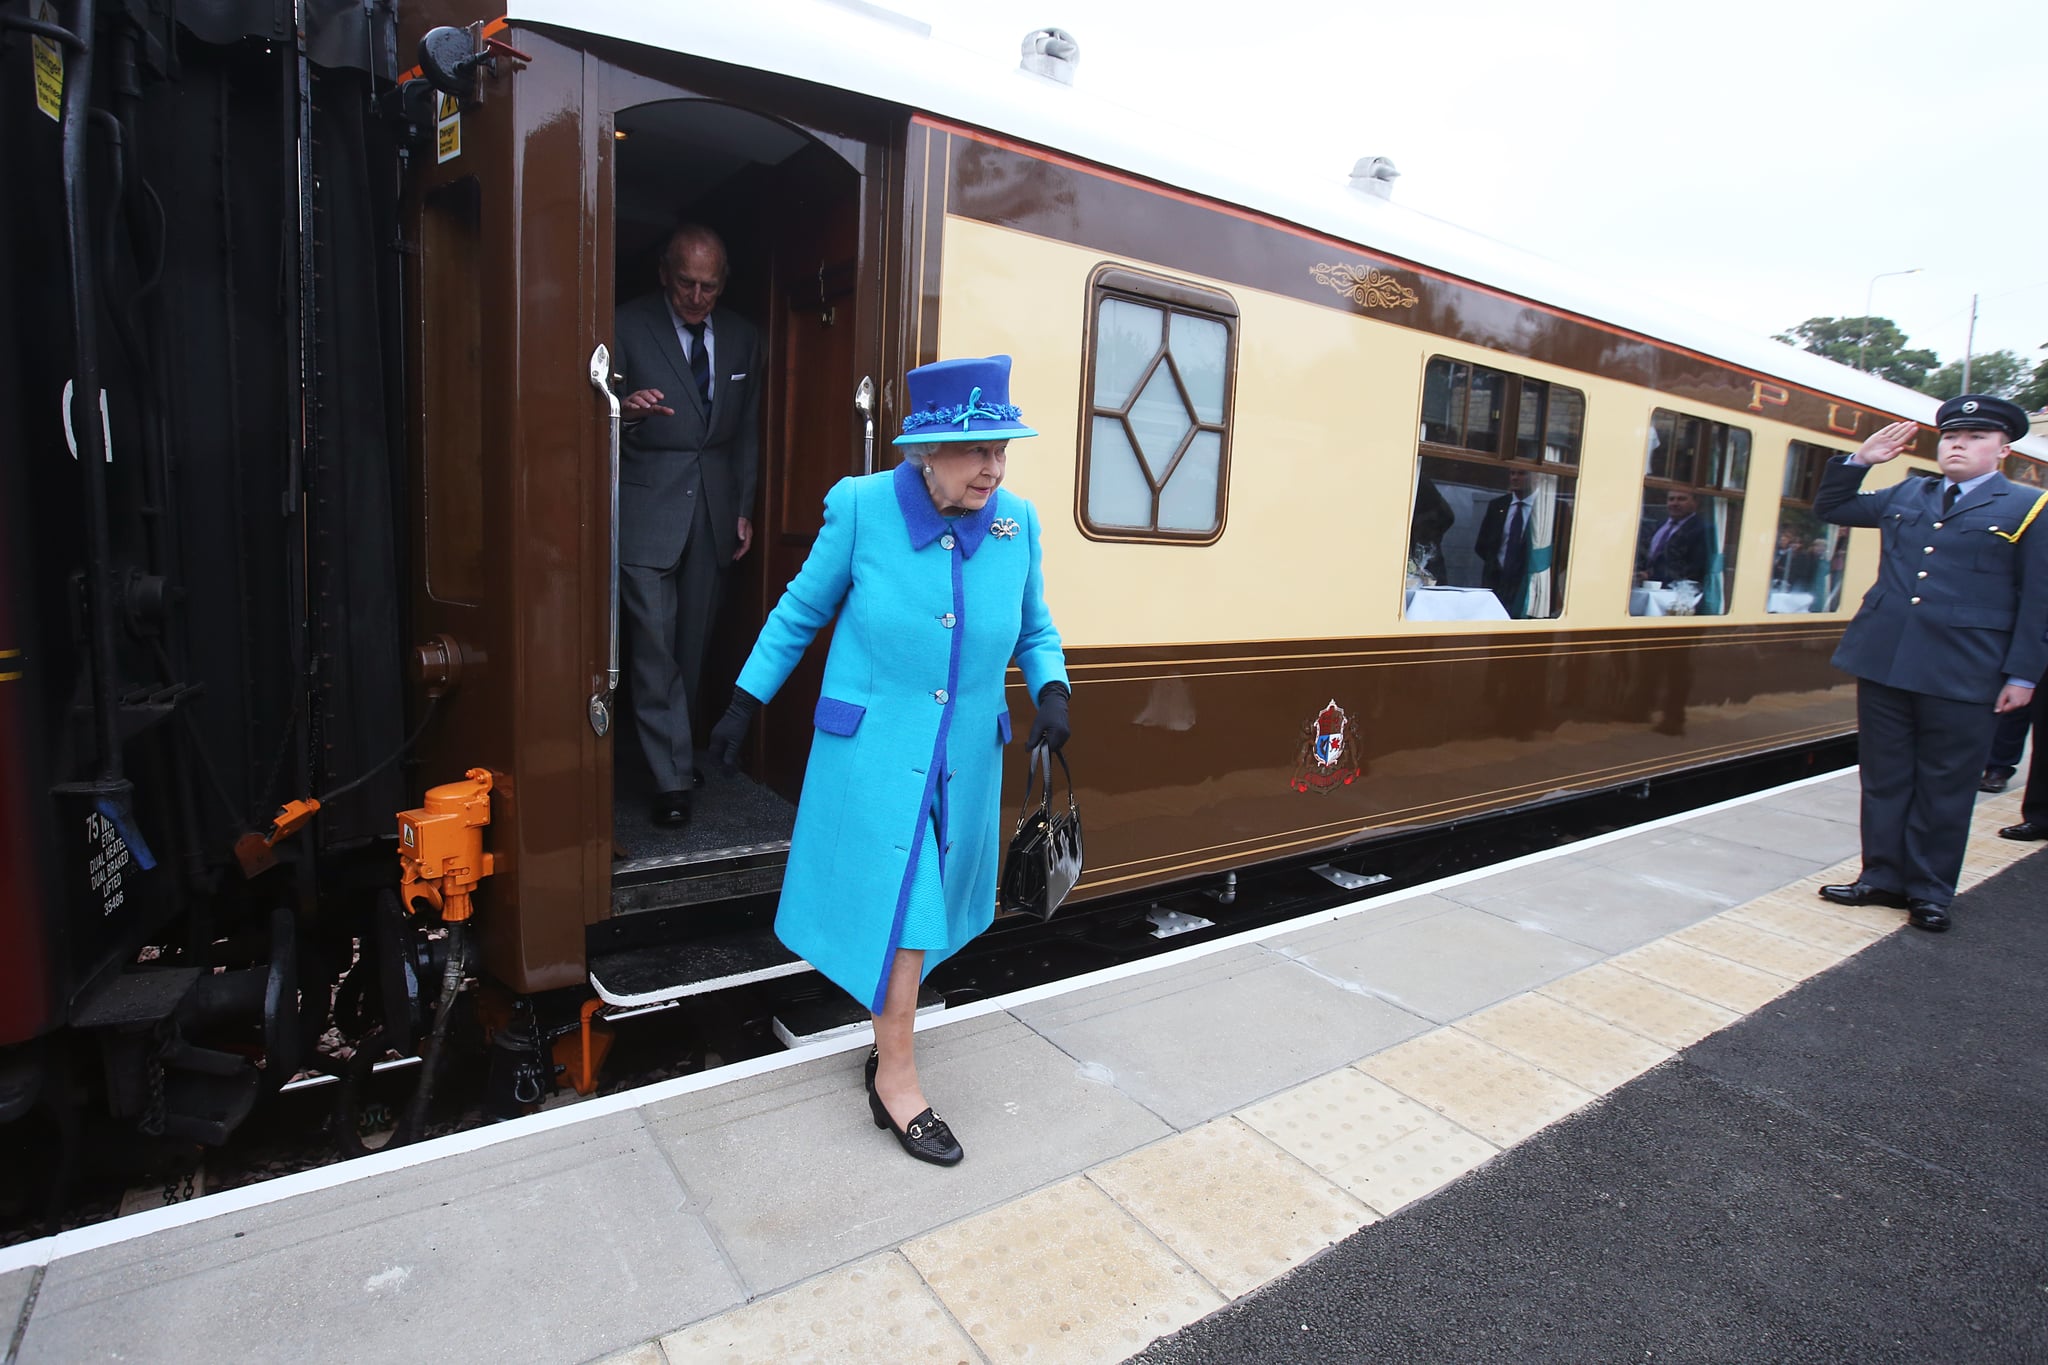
pixel 1790 601
pixel 1454 604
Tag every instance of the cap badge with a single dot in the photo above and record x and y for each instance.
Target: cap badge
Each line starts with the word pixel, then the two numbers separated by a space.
pixel 1970 406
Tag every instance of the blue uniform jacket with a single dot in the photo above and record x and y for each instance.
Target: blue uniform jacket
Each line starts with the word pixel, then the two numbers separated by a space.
pixel 1961 600
pixel 912 719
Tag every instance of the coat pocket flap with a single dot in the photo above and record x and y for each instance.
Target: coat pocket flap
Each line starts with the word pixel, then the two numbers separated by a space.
pixel 1002 727
pixel 837 717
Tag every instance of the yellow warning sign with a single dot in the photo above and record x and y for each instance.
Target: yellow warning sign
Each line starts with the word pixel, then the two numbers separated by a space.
pixel 447 108
pixel 448 139
pixel 49 66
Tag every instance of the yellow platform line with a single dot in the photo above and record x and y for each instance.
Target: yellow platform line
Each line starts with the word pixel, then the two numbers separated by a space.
pixel 1096 1266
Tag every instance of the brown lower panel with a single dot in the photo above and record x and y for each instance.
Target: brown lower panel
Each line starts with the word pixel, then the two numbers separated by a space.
pixel 1195 759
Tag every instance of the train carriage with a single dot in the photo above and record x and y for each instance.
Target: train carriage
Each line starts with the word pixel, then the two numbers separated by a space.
pixel 1352 521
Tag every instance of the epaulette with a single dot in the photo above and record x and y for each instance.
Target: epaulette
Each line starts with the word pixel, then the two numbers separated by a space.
pixel 2021 529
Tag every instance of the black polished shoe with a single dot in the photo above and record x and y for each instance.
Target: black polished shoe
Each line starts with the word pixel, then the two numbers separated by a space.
pixel 927 1138
pixel 1995 779
pixel 1862 893
pixel 874 1065
pixel 1927 915
pixel 696 777
pixel 672 809
pixel 2026 832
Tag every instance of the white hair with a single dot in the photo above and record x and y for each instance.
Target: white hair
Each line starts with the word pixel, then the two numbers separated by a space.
pixel 919 453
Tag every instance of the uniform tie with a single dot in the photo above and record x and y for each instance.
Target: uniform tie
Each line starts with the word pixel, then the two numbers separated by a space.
pixel 1948 498
pixel 1511 540
pixel 700 362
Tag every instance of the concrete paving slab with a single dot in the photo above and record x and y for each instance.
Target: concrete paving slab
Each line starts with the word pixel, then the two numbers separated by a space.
pixel 1257 1022
pixel 1815 838
pixel 1663 1014
pixel 1231 1204
pixel 1363 924
pixel 1449 964
pixel 1675 858
pixel 1476 1085
pixel 795 1178
pixel 468 1250
pixel 14 1287
pixel 1589 1052
pixel 1711 977
pixel 1755 947
pixel 1807 922
pixel 1601 907
pixel 1840 800
pixel 646 1353
pixel 876 1310
pixel 1061 1275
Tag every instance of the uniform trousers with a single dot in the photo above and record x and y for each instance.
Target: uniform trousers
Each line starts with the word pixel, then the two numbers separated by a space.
pixel 1921 757
pixel 2034 805
pixel 668 618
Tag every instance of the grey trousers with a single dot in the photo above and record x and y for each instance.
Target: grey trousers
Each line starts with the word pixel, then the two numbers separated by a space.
pixel 1921 758
pixel 667 619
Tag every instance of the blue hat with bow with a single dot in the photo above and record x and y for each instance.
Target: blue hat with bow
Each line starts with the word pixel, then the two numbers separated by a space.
pixel 962 400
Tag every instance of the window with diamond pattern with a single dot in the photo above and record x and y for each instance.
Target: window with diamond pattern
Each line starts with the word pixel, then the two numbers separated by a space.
pixel 1155 452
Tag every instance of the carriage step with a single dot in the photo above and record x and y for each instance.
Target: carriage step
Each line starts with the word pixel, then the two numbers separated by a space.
pixel 670 971
pixel 837 1015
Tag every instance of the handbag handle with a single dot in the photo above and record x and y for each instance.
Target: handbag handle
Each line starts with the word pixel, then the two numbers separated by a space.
pixel 1042 755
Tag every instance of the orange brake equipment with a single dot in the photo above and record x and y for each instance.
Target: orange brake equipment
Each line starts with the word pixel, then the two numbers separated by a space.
pixel 441 846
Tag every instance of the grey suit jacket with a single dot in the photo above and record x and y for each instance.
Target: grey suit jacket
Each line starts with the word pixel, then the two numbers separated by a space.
pixel 1959 605
pixel 665 462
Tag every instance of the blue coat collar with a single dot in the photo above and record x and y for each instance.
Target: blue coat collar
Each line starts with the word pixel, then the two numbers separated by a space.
pixel 924 522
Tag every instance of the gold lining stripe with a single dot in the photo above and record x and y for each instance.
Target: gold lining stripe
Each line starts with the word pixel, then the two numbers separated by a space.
pixel 10 654
pixel 2019 530
pixel 1464 653
pixel 9 677
pixel 1406 815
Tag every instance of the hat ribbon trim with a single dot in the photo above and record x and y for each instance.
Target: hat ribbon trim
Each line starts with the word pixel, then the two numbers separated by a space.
pixel 962 413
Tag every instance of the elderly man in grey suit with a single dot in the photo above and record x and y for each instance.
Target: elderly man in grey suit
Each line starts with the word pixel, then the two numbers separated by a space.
pixel 689 464
pixel 1950 636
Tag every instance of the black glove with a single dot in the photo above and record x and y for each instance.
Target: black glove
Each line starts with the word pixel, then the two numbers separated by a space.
pixel 1049 726
pixel 729 736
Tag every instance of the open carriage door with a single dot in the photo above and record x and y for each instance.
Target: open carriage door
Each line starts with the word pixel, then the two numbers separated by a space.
pixel 795 181
pixel 510 497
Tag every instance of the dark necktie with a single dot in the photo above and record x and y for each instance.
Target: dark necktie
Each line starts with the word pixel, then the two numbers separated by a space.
pixel 1948 498
pixel 1511 541
pixel 700 363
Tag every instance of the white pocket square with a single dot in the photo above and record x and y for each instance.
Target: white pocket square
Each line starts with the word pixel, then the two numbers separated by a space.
pixel 736 376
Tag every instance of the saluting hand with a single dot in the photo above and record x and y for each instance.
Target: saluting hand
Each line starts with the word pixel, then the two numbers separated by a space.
pixel 1888 443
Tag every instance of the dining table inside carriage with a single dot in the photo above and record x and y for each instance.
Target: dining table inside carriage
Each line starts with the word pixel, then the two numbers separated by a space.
pixel 1424 603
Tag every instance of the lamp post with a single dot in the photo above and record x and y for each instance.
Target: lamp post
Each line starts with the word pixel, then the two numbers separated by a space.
pixel 1863 342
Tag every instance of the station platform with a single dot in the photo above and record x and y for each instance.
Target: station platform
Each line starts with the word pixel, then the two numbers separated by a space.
pixel 1145 1146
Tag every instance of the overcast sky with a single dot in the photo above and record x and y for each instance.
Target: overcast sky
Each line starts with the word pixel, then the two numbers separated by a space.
pixel 1756 161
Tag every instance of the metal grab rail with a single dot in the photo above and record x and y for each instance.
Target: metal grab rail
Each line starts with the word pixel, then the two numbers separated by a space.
pixel 601 703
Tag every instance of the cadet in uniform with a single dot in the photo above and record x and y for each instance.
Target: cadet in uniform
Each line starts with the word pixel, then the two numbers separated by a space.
pixel 1950 636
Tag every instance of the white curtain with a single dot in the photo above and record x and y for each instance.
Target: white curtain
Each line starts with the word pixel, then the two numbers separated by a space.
pixel 1542 533
pixel 1716 594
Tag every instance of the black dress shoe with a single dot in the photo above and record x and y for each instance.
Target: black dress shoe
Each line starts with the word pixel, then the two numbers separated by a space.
pixel 1862 893
pixel 874 1065
pixel 1927 915
pixel 2026 832
pixel 672 809
pixel 696 777
pixel 927 1137
pixel 1995 779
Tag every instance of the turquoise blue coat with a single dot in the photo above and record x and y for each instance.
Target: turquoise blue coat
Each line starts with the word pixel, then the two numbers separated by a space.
pixel 911 723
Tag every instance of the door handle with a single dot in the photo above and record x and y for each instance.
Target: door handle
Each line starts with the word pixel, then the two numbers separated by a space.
pixel 601 702
pixel 864 404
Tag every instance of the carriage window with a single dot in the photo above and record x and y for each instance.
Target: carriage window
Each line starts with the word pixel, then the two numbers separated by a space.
pixel 1496 479
pixel 1808 560
pixel 1694 474
pixel 1155 454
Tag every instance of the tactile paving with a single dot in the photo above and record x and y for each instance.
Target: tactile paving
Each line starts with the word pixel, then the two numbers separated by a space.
pixel 1759 948
pixel 1709 976
pixel 1568 1042
pixel 646 1353
pixel 1880 919
pixel 1369 1138
pixel 1656 1011
pixel 1500 1097
pixel 1807 923
pixel 877 1309
pixel 1231 1204
pixel 1063 1274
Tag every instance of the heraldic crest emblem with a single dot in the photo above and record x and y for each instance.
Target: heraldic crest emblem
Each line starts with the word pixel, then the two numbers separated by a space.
pixel 1329 754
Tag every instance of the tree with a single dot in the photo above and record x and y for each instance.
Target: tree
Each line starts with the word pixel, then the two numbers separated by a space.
pixel 1874 344
pixel 2002 374
pixel 2034 396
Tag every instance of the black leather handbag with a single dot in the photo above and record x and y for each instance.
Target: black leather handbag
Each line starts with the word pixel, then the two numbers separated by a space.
pixel 1044 859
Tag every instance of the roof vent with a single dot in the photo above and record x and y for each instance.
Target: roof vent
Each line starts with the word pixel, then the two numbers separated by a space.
pixel 1051 53
pixel 1374 175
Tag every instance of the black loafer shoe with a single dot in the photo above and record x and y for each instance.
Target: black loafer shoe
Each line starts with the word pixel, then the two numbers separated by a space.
pixel 1927 915
pixel 927 1137
pixel 2026 832
pixel 874 1065
pixel 672 809
pixel 1994 779
pixel 1862 893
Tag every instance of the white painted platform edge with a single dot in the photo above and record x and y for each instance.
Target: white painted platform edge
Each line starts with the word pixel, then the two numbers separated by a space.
pixel 117 1230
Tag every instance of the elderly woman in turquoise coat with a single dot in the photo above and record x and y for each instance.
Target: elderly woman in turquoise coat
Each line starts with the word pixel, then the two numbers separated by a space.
pixel 932 575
